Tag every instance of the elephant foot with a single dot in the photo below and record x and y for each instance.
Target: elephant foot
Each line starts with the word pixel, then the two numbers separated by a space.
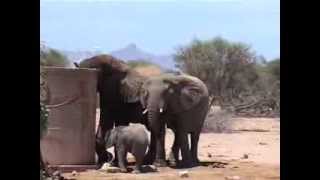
pixel 148 159
pixel 136 171
pixel 196 162
pixel 114 164
pixel 100 163
pixel 103 158
pixel 172 161
pixel 123 170
pixel 186 164
pixel 160 163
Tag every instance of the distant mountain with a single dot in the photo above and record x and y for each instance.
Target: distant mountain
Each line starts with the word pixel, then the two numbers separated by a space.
pixel 128 53
pixel 77 56
pixel 132 52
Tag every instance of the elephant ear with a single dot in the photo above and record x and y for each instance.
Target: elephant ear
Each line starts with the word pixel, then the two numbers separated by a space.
pixel 190 92
pixel 131 86
pixel 190 96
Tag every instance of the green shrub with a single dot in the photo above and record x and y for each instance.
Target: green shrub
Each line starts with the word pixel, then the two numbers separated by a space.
pixel 53 57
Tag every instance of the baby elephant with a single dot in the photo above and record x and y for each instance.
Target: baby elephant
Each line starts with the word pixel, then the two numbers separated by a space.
pixel 133 139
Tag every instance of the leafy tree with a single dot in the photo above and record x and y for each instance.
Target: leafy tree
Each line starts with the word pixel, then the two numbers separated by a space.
pixel 235 76
pixel 272 83
pixel 53 57
pixel 274 68
pixel 226 67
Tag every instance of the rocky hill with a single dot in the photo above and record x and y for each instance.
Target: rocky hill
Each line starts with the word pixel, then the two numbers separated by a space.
pixel 132 52
pixel 128 53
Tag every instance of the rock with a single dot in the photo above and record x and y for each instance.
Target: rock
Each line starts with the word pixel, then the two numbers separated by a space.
pixel 150 168
pixel 218 165
pixel 58 177
pixel 74 173
pixel 70 178
pixel 245 156
pixel 235 167
pixel 56 173
pixel 262 143
pixel 136 172
pixel 232 178
pixel 209 155
pixel 113 170
pixel 184 174
pixel 105 166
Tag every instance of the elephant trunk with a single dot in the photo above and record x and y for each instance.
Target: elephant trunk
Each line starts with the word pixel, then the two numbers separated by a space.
pixel 154 110
pixel 153 119
pixel 157 127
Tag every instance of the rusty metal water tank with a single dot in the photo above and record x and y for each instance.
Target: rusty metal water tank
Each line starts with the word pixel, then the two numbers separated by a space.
pixel 70 139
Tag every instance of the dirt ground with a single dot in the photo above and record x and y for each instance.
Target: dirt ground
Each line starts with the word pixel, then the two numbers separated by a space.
pixel 251 152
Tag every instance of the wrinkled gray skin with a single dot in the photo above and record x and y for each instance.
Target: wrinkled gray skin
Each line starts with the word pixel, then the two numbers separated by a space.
pixel 118 87
pixel 181 102
pixel 133 139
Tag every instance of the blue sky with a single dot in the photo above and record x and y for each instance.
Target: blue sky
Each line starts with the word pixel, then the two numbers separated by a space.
pixel 159 26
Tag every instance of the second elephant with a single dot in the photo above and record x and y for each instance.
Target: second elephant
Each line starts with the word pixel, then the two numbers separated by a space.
pixel 181 102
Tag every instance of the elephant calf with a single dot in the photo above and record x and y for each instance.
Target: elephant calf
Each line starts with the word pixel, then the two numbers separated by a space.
pixel 133 139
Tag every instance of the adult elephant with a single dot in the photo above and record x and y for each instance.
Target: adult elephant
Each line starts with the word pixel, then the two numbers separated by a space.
pixel 118 88
pixel 181 102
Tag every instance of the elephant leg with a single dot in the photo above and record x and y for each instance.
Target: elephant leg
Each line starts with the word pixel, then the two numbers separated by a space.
pixel 115 161
pixel 160 151
pixel 194 147
pixel 100 145
pixel 174 154
pixel 139 160
pixel 122 157
pixel 185 152
pixel 106 123
pixel 151 155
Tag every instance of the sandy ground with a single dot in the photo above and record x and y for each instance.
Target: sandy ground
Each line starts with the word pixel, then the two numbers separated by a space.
pixel 256 138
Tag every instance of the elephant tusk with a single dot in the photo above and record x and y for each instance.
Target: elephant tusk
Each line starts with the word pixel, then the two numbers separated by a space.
pixel 145 111
pixel 161 110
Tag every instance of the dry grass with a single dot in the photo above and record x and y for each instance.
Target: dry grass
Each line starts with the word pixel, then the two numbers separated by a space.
pixel 217 121
pixel 262 148
pixel 149 70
